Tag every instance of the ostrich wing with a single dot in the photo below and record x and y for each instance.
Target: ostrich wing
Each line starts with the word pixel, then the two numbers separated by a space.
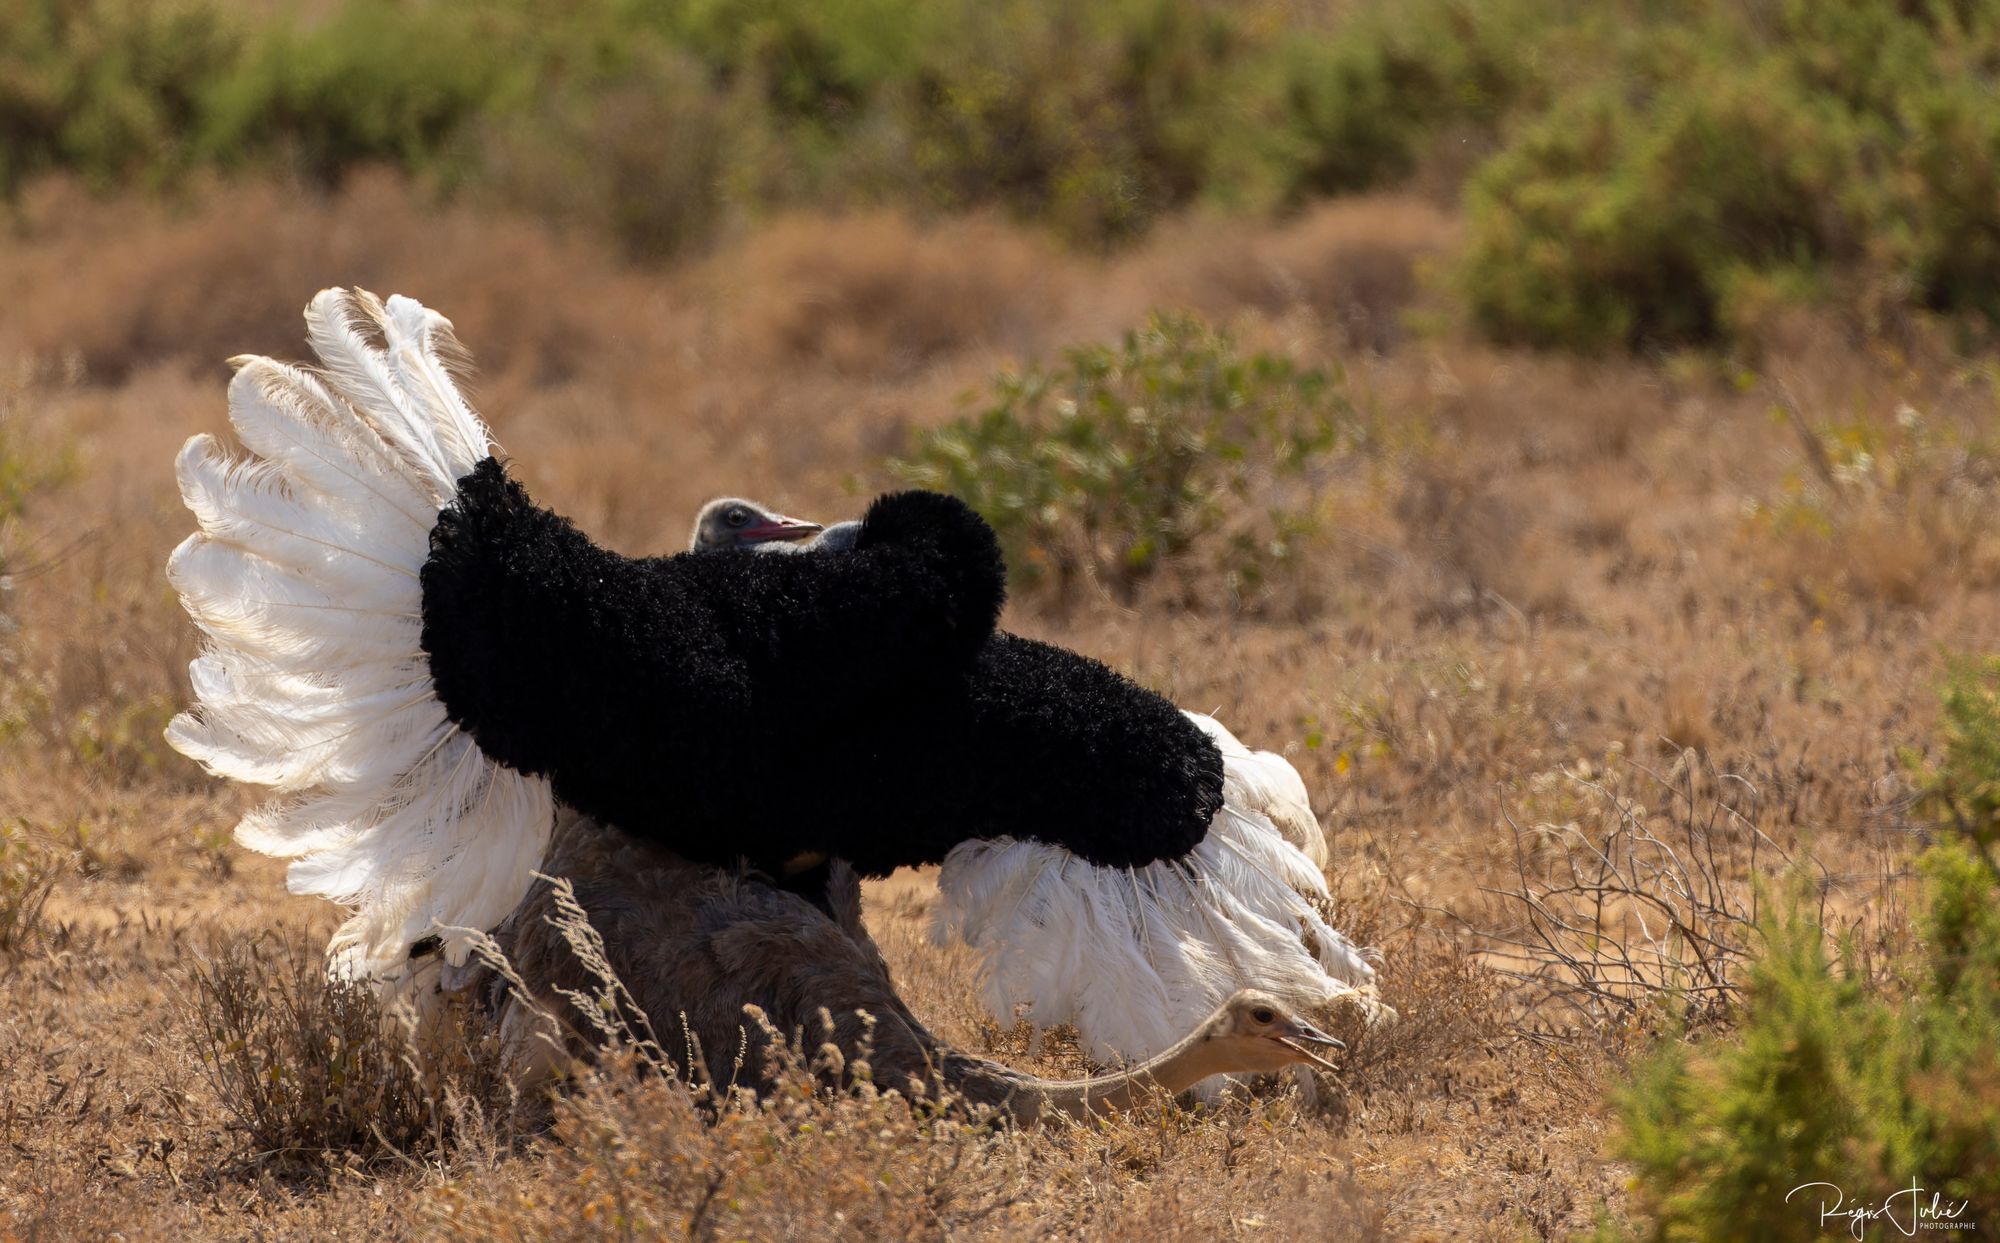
pixel 854 704
pixel 671 696
pixel 1033 742
pixel 420 662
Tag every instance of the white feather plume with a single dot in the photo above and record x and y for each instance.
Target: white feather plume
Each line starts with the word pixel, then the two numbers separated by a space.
pixel 303 578
pixel 1264 782
pixel 1135 957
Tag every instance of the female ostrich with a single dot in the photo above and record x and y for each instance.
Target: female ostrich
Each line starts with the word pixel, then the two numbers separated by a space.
pixel 998 895
pixel 696 946
pixel 424 665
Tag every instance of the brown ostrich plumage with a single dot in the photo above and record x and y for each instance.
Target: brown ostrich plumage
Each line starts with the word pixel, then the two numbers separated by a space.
pixel 696 944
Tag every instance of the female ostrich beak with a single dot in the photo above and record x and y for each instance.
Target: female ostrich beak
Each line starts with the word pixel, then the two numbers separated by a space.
pixel 1304 1039
pixel 777 527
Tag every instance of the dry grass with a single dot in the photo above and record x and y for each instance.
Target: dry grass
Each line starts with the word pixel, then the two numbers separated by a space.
pixel 1556 571
pixel 637 1157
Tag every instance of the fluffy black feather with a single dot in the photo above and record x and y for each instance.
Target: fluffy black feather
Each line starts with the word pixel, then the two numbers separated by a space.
pixel 853 703
pixel 1034 741
pixel 544 645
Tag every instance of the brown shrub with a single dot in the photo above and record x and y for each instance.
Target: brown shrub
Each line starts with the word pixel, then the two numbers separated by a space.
pixel 1895 506
pixel 1356 264
pixel 1486 549
pixel 1687 718
pixel 1451 1021
pixel 878 295
pixel 636 1155
pixel 1548 410
pixel 121 285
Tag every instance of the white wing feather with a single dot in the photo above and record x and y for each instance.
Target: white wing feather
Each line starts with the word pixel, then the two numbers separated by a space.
pixel 1265 783
pixel 303 578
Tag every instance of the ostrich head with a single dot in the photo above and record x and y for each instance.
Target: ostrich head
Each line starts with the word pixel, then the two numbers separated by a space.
pixel 1255 1032
pixel 732 522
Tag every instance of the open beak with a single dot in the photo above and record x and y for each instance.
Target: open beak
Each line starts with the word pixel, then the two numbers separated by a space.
pixel 778 528
pixel 1306 1040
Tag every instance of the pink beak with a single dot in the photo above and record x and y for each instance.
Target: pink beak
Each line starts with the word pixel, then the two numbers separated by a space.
pixel 778 528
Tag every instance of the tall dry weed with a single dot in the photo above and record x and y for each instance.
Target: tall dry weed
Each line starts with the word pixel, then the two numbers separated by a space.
pixel 315 1073
pixel 1890 506
pixel 29 871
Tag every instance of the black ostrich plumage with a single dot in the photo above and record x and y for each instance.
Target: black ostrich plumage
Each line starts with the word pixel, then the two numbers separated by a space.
pixel 854 703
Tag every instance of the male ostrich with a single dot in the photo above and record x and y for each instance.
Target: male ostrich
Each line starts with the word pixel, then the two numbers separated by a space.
pixel 424 665
pixel 732 522
pixel 997 895
pixel 696 945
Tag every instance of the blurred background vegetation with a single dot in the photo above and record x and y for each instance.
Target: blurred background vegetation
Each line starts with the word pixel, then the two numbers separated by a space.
pixel 1633 175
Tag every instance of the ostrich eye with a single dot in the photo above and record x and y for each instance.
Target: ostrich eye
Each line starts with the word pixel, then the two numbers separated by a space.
pixel 1264 1014
pixel 737 516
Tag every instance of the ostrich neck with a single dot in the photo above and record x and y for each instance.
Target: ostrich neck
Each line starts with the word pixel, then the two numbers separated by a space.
pixel 1179 1068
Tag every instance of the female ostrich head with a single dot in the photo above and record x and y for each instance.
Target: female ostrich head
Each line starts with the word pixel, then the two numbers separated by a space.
pixel 1254 1032
pixel 732 522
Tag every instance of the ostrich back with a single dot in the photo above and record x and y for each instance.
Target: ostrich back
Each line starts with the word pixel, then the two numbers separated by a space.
pixel 695 944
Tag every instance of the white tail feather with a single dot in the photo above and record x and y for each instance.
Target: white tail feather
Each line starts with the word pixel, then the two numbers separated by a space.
pixel 434 431
pixel 1135 957
pixel 284 414
pixel 303 579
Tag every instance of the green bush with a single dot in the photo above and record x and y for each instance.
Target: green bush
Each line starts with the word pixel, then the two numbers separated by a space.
pixel 1737 155
pixel 1837 1077
pixel 1092 120
pixel 1340 110
pixel 1962 787
pixel 820 65
pixel 1658 172
pixel 1122 459
pixel 642 158
pixel 110 88
pixel 375 80
pixel 1608 225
